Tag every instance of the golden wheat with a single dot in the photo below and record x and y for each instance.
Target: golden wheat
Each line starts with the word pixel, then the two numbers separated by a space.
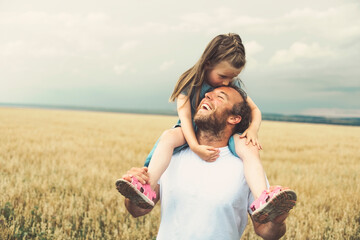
pixel 58 168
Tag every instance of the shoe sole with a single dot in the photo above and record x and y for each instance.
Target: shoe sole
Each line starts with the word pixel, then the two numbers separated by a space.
pixel 131 192
pixel 283 202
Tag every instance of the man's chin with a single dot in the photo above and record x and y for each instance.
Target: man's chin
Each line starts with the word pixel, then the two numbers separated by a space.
pixel 203 113
pixel 211 121
pixel 201 118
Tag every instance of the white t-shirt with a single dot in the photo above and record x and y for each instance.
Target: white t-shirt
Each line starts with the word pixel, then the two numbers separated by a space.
pixel 203 200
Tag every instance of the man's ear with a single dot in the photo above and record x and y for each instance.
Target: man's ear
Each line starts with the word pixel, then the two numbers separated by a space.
pixel 234 119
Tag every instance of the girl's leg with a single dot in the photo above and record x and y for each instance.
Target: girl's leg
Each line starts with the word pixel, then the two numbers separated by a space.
pixel 271 203
pixel 160 160
pixel 253 169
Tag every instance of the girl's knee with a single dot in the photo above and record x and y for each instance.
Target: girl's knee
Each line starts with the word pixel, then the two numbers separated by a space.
pixel 169 133
pixel 171 136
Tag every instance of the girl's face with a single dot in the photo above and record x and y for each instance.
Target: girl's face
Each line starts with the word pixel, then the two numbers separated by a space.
pixel 222 74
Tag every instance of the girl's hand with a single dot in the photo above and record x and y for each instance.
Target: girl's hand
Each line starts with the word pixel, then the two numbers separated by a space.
pixel 140 174
pixel 207 153
pixel 251 136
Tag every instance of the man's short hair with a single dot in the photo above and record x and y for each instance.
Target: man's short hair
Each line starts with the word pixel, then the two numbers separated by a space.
pixel 242 109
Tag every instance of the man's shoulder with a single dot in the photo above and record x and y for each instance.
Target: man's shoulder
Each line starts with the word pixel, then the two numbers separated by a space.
pixel 182 152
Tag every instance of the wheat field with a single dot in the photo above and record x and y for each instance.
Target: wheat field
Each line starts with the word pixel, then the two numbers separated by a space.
pixel 58 169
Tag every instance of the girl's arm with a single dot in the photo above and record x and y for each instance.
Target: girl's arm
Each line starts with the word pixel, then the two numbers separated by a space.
pixel 207 153
pixel 252 132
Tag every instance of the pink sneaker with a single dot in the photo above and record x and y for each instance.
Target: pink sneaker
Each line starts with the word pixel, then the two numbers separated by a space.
pixel 142 195
pixel 272 203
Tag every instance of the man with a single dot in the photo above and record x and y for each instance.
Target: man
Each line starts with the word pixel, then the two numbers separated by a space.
pixel 208 200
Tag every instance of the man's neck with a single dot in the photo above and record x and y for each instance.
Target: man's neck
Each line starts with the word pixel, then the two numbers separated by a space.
pixel 210 139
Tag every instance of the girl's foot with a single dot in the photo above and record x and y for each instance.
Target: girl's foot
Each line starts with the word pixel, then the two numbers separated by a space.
pixel 272 203
pixel 141 195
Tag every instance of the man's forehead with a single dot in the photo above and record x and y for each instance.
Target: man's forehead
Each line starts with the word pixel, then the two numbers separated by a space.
pixel 231 93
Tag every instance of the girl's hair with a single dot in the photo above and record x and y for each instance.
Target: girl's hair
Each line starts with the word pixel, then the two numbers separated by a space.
pixel 224 47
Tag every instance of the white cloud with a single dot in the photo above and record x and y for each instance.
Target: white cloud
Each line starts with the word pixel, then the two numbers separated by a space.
pixel 129 45
pixel 120 69
pixel 334 23
pixel 12 48
pixel 245 21
pixel 253 48
pixel 22 48
pixel 223 18
pixel 166 65
pixel 197 18
pixel 310 13
pixel 300 50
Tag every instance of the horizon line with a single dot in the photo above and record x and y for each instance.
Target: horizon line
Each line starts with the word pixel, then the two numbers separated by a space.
pixel 349 121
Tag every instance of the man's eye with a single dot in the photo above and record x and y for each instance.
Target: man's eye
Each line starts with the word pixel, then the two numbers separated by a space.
pixel 221 97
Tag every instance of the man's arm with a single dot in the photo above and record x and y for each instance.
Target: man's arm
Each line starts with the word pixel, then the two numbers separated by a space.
pixel 271 230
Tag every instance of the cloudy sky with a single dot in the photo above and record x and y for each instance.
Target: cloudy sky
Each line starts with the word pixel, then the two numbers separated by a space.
pixel 303 56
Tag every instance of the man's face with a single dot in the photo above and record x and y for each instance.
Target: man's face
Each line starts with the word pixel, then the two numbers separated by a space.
pixel 214 109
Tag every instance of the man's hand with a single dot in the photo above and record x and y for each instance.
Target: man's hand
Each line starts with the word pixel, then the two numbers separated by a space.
pixel 280 219
pixel 207 153
pixel 141 174
pixel 271 230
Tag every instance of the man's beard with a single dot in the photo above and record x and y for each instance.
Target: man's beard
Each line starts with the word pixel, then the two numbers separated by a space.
pixel 213 124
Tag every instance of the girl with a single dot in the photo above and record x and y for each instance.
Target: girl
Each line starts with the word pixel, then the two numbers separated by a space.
pixel 219 65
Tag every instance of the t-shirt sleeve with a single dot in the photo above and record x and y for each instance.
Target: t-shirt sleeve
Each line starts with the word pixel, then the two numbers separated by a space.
pixel 185 91
pixel 237 83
